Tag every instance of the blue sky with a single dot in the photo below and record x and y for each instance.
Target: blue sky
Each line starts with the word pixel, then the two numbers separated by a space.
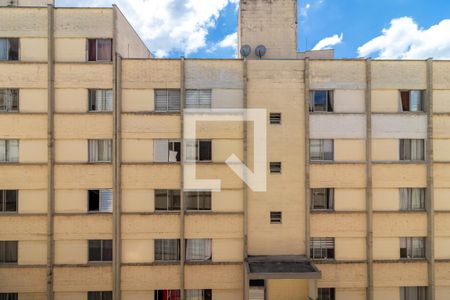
pixel 369 28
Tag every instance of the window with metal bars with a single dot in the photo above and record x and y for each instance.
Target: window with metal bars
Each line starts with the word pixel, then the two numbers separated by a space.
pixel 412 199
pixel 103 295
pixel 9 49
pixel 99 49
pixel 321 101
pixel 275 118
pixel 167 250
pixel 8 201
pixel 9 150
pixel 100 200
pixel 100 250
pixel 100 100
pixel 412 149
pixel 276 217
pixel 100 150
pixel 9 100
pixel 412 247
pixel 322 248
pixel 167 200
pixel 198 200
pixel 8 252
pixel 322 199
pixel 321 150
pixel 275 167
pixel 198 98
pixel 167 100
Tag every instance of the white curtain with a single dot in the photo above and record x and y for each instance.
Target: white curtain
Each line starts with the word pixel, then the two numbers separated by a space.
pixel 194 295
pixel 99 150
pixel 103 100
pixel 198 250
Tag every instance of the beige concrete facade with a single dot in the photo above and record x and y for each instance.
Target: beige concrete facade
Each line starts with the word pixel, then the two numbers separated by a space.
pixel 53 222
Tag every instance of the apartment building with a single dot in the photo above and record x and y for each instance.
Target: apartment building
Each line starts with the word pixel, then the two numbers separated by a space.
pixel 93 199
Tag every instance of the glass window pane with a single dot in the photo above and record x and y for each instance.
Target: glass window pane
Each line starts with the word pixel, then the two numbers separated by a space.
pixel 12 150
pixel 174 200
pixel 191 200
pixel 104 50
pixel 4 49
pixel 320 100
pixel 95 250
pixel 161 200
pixel 11 251
pixel 11 201
pixel 107 250
pixel 415 101
pixel 106 200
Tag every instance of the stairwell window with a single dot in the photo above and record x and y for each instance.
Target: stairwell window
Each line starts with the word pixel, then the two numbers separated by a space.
pixel 198 150
pixel 104 295
pixel 321 101
pixel 9 151
pixel 8 201
pixel 100 150
pixel 8 252
pixel 167 250
pixel 100 250
pixel 412 149
pixel 413 293
pixel 167 100
pixel 9 49
pixel 100 200
pixel 275 167
pixel 276 217
pixel 9 100
pixel 198 250
pixel 200 200
pixel 198 294
pixel 167 200
pixel 412 247
pixel 9 296
pixel 412 199
pixel 321 150
pixel 322 248
pixel 100 100
pixel 322 199
pixel 167 151
pixel 99 49
pixel 411 100
pixel 275 118
pixel 198 98
pixel 326 293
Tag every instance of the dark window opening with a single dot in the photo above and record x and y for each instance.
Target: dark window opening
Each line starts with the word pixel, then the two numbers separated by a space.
pixel 166 200
pixel 8 201
pixel 321 101
pixel 275 118
pixel 100 250
pixel 275 217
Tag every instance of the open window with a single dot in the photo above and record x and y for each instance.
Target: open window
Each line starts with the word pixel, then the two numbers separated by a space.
pixel 321 101
pixel 412 247
pixel 9 100
pixel 9 49
pixel 411 100
pixel 322 199
pixel 99 49
pixel 198 150
pixel 167 151
pixel 100 200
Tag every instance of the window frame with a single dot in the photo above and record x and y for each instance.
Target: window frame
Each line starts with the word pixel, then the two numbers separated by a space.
pixel 329 101
pixel 92 96
pixel 408 203
pixel 421 292
pixel 275 167
pixel 331 293
pixel 169 194
pixel 409 249
pixel 206 294
pixel 96 156
pixel 198 104
pixel 276 217
pixel 102 295
pixel 19 54
pixel 102 251
pixel 100 193
pixel 275 118
pixel 410 92
pixel 165 253
pixel 322 153
pixel 403 151
pixel 3 203
pixel 7 150
pixel 170 147
pixel 329 199
pixel 174 297
pixel 15 93
pixel 3 249
pixel 198 195
pixel 96 50
pixel 167 110
pixel 207 247
pixel 330 253
pixel 197 144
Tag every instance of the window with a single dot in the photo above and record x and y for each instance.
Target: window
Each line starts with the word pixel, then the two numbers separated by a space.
pixel 8 201
pixel 99 295
pixel 8 252
pixel 322 248
pixel 320 150
pixel 198 294
pixel 275 217
pixel 411 100
pixel 9 296
pixel 412 199
pixel 321 101
pixel 100 49
pixel 198 200
pixel 167 250
pixel 275 118
pixel 326 293
pixel 198 150
pixel 198 99
pixel 100 250
pixel 275 167
pixel 412 149
pixel 167 200
pixel 167 295
pixel 198 250
pixel 167 100
pixel 413 293
pixel 9 49
pixel 322 199
pixel 412 247
pixel 99 150
pixel 9 150
pixel 100 200
pixel 100 100
pixel 9 100
pixel 167 150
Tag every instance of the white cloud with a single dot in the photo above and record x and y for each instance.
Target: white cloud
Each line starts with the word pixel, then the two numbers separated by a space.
pixel 305 9
pixel 230 41
pixel 405 40
pixel 328 42
pixel 167 25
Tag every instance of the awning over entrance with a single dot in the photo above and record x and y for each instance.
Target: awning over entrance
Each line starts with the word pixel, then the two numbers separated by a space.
pixel 281 267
